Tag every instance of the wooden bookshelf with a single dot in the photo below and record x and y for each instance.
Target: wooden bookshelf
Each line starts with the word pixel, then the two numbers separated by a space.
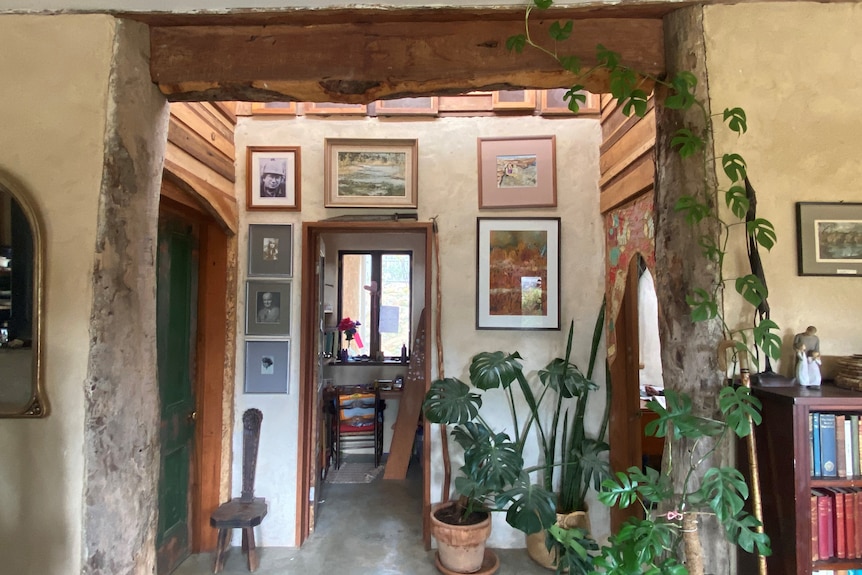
pixel 784 457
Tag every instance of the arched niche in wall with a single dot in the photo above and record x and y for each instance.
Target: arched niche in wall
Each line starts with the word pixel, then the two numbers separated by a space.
pixel 21 281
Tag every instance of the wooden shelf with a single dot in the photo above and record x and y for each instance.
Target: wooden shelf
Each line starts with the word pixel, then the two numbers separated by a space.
pixel 785 473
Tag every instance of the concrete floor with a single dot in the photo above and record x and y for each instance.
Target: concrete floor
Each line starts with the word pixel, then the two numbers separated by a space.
pixel 362 529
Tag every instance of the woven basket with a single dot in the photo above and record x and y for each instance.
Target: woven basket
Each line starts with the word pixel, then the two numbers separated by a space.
pixel 850 372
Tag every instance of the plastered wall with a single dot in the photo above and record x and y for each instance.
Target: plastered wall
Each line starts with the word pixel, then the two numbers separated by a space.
pixel 787 65
pixel 52 109
pixel 448 188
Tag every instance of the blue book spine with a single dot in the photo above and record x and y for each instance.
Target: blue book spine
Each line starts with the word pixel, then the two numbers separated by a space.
pixel 815 441
pixel 828 445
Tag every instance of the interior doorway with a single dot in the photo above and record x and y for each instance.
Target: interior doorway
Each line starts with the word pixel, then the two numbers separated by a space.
pixel 318 287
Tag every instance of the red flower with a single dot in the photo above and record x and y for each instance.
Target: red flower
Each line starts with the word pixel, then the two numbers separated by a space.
pixel 348 326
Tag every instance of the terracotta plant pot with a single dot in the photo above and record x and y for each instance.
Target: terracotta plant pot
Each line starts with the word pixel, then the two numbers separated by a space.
pixel 536 548
pixel 460 548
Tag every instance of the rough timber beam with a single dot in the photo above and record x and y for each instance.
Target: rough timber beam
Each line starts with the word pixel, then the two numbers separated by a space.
pixel 361 62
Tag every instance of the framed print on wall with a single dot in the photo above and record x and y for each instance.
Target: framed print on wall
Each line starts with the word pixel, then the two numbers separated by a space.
pixel 829 238
pixel 518 275
pixel 267 308
pixel 267 366
pixel 517 172
pixel 379 173
pixel 270 250
pixel 273 178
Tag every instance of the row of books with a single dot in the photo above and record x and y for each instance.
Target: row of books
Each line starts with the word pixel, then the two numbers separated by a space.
pixel 835 444
pixel 836 523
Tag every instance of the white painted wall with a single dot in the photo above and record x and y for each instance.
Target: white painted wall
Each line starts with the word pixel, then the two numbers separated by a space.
pixel 786 65
pixel 448 188
pixel 53 114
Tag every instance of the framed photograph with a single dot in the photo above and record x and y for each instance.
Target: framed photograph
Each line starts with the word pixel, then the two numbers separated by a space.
pixel 514 100
pixel 273 178
pixel 370 173
pixel 267 366
pixel 517 172
pixel 267 308
pixel 270 250
pixel 829 238
pixel 273 108
pixel 518 275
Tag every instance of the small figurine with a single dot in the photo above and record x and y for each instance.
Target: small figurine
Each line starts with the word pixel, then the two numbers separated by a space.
pixel 807 348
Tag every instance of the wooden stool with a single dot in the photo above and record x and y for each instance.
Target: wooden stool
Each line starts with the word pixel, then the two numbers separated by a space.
pixel 247 511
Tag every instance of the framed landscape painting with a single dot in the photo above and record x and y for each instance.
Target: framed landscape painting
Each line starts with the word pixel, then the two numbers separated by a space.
pixel 518 275
pixel 370 173
pixel 517 172
pixel 273 178
pixel 829 238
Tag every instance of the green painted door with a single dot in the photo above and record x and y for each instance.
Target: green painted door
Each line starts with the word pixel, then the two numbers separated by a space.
pixel 176 309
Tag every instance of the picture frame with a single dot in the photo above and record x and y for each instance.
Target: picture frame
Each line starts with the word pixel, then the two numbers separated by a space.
pixel 421 106
pixel 519 172
pixel 518 273
pixel 273 108
pixel 371 173
pixel 829 238
pixel 333 109
pixel 267 366
pixel 267 307
pixel 279 190
pixel 270 250
pixel 513 100
pixel 554 103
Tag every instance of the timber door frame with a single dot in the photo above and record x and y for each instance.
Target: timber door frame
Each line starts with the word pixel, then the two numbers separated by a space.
pixel 211 349
pixel 309 359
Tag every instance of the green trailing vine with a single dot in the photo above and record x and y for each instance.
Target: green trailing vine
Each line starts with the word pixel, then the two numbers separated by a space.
pixel 656 543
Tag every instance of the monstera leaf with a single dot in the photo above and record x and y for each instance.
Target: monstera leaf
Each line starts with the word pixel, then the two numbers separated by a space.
pixel 451 401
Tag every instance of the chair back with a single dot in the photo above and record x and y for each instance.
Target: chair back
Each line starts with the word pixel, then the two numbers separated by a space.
pixel 251 420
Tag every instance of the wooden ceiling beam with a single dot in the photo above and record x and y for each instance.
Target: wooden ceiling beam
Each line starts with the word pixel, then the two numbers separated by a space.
pixel 361 62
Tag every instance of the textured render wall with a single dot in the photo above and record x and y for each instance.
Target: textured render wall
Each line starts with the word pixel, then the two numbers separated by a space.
pixel 52 109
pixel 448 189
pixel 787 64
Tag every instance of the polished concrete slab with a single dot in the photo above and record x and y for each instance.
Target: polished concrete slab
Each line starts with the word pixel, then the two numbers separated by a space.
pixel 362 529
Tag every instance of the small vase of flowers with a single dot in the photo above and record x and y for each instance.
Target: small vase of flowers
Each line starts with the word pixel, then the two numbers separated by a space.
pixel 348 327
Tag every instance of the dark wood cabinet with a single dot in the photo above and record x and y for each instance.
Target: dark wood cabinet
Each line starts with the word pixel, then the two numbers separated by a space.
pixel 786 482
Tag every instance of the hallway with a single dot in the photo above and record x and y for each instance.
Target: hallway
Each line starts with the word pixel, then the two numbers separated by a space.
pixel 363 529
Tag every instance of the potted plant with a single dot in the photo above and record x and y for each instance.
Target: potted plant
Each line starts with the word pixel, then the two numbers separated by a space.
pixel 493 476
pixel 694 492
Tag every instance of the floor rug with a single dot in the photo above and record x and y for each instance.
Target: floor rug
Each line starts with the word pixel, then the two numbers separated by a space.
pixel 354 472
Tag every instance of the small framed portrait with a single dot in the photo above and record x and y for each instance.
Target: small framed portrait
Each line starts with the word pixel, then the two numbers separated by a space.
pixel 267 366
pixel 273 178
pixel 267 308
pixel 270 250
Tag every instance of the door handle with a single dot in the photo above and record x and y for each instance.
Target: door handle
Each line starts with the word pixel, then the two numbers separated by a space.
pixel 192 416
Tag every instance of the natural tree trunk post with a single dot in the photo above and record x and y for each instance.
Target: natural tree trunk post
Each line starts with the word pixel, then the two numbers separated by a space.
pixel 688 349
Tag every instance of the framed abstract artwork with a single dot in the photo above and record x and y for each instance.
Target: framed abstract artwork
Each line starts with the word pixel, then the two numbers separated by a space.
pixel 518 275
pixel 829 238
pixel 370 173
pixel 273 178
pixel 267 366
pixel 517 172
pixel 270 250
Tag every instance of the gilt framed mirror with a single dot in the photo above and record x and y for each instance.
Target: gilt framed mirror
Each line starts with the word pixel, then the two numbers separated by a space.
pixel 21 276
